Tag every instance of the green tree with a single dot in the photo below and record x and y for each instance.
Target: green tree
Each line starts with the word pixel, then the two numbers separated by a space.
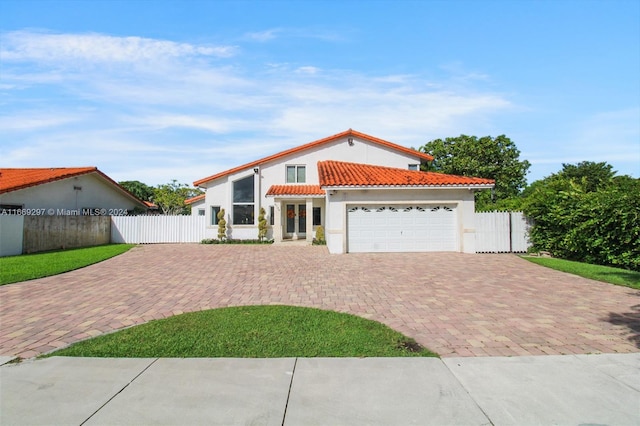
pixel 592 176
pixel 222 225
pixel 586 213
pixel 170 197
pixel 262 224
pixel 487 157
pixel 137 188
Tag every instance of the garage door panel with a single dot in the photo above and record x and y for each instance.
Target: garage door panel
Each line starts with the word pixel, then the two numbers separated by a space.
pixel 402 228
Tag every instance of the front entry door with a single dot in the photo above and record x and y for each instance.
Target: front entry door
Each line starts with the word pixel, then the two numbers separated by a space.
pixel 296 220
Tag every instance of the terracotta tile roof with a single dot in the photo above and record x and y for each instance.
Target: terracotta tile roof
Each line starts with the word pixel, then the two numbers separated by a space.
pixel 350 132
pixel 337 173
pixel 13 179
pixel 295 190
pixel 194 199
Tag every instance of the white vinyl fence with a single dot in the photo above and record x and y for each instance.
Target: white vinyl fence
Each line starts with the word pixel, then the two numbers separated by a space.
pixel 157 229
pixel 502 232
pixel 496 232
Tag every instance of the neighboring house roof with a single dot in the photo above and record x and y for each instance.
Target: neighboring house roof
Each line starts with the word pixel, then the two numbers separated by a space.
pixel 14 179
pixel 341 174
pixel 295 190
pixel 194 199
pixel 315 144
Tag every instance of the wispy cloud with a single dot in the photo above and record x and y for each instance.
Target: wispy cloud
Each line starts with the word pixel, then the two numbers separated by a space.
pixel 176 108
pixel 263 36
pixel 98 48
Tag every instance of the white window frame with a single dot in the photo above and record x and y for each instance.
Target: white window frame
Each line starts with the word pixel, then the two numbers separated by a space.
pixel 296 168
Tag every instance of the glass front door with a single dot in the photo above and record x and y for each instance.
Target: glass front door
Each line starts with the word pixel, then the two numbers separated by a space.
pixel 296 220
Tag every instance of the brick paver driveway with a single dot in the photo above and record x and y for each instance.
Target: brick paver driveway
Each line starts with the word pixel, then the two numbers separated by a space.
pixel 455 304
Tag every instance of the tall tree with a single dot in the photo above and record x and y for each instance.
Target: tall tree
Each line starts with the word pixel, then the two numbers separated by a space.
pixel 487 157
pixel 137 188
pixel 592 176
pixel 170 197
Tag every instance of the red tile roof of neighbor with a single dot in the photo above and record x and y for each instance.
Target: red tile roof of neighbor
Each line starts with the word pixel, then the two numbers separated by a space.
pixel 295 190
pixel 13 179
pixel 194 199
pixel 341 174
pixel 314 144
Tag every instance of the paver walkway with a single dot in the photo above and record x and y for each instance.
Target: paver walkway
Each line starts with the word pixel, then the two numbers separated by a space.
pixel 455 304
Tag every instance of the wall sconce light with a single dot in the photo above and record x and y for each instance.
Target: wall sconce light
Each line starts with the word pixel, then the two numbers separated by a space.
pixel 350 141
pixel 256 170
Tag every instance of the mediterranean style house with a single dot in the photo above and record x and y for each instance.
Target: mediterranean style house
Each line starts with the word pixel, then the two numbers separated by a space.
pixel 368 194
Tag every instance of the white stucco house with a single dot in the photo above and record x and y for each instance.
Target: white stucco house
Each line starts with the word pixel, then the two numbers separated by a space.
pixel 368 194
pixel 69 191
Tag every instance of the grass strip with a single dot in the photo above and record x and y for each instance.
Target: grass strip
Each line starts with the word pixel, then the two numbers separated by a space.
pixel 273 331
pixel 31 266
pixel 606 274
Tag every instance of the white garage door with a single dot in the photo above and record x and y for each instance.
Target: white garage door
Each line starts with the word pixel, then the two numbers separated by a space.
pixel 401 228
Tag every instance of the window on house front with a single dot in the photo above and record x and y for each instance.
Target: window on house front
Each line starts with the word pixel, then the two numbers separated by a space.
pixel 317 217
pixel 214 214
pixel 414 166
pixel 296 174
pixel 272 212
pixel 243 201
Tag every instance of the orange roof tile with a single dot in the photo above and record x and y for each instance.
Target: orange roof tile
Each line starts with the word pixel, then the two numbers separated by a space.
pixel 194 199
pixel 295 190
pixel 337 173
pixel 350 132
pixel 13 179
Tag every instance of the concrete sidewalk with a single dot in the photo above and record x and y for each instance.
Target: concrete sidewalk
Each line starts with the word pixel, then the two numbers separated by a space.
pixel 568 389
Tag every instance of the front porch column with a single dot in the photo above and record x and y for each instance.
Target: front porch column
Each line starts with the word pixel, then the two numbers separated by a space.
pixel 309 221
pixel 277 221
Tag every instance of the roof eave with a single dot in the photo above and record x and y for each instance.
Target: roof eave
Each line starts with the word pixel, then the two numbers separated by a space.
pixel 296 195
pixel 356 187
pixel 421 156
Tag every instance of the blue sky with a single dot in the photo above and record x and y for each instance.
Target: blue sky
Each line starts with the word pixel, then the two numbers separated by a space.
pixel 160 90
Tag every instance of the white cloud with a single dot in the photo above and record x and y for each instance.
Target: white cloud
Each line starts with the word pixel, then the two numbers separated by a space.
pixel 308 70
pixel 263 36
pixel 186 113
pixel 35 121
pixel 98 48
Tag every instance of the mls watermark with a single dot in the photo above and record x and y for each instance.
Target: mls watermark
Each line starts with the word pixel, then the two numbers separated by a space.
pixel 64 212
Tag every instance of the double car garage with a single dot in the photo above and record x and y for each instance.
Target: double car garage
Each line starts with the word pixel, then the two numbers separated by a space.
pixel 402 228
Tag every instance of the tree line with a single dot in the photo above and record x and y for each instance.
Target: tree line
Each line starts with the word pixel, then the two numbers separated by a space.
pixel 168 197
pixel 583 212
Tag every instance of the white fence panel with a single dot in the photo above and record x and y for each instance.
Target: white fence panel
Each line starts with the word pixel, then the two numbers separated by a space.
pixel 11 234
pixel 157 229
pixel 520 225
pixel 501 232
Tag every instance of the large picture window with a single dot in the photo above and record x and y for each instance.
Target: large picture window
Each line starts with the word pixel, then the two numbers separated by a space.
pixel 243 201
pixel 296 174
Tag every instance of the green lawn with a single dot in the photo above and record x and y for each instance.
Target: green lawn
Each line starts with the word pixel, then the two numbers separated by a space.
pixel 595 272
pixel 30 266
pixel 252 332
